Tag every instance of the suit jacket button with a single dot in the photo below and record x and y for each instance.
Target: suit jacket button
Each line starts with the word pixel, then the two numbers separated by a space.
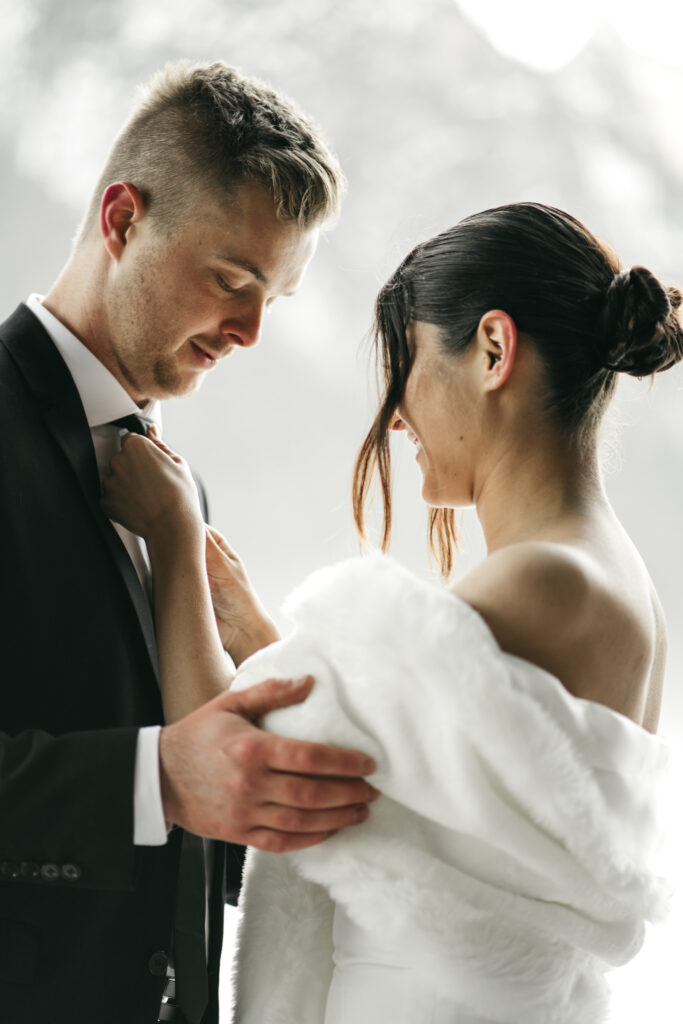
pixel 49 872
pixel 9 869
pixel 158 962
pixel 71 872
pixel 29 869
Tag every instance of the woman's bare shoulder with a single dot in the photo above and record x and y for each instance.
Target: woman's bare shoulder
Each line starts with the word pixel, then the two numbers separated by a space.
pixel 531 587
pixel 554 605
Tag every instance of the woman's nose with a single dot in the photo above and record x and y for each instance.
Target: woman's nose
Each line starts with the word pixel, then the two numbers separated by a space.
pixel 397 423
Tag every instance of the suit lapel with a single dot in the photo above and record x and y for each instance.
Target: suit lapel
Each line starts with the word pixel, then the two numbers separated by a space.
pixel 53 388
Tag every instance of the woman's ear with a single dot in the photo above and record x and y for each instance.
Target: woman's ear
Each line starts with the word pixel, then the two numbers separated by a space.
pixel 122 205
pixel 497 342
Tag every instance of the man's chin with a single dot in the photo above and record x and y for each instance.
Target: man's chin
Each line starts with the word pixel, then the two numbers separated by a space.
pixel 176 387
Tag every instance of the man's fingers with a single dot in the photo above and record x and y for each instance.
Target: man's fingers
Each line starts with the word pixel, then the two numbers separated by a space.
pixel 300 791
pixel 292 820
pixel 283 842
pixel 266 696
pixel 304 758
pixel 280 754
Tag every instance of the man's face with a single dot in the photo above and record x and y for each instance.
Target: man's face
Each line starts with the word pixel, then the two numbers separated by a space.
pixel 176 304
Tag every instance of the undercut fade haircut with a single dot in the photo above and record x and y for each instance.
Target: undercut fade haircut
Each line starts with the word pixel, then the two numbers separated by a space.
pixel 200 131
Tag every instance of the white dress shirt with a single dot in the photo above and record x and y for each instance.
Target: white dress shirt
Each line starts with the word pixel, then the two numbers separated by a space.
pixel 104 399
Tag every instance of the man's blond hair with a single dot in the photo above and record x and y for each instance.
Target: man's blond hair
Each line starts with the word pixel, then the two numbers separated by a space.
pixel 201 130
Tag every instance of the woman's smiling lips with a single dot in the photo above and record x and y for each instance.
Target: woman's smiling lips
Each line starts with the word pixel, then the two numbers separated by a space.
pixel 412 437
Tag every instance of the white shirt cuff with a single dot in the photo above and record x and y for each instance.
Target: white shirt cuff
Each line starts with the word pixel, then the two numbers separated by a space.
pixel 149 826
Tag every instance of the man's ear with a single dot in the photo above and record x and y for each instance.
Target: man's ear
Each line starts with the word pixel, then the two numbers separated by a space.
pixel 122 205
pixel 497 341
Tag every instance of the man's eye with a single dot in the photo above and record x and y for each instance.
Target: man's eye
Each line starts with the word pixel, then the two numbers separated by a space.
pixel 224 284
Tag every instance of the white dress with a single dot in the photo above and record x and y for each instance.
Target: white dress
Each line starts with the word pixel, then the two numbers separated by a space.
pixel 512 858
pixel 374 982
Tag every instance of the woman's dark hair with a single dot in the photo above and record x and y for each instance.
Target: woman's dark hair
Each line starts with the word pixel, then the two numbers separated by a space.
pixel 563 288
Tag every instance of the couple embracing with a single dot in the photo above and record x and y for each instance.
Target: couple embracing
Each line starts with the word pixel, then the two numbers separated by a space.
pixel 449 793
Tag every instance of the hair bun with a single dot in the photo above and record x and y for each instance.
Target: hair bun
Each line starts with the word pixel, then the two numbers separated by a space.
pixel 639 328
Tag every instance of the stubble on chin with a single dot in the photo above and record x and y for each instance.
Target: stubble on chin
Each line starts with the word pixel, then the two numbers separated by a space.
pixel 164 378
pixel 156 377
pixel 169 382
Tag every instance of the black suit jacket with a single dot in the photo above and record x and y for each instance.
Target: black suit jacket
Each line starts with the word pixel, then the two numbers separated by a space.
pixel 85 916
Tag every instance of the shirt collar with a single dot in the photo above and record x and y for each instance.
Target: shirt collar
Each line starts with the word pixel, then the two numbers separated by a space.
pixel 103 397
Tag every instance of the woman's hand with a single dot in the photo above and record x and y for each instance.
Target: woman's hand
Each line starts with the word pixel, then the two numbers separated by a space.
pixel 243 623
pixel 151 492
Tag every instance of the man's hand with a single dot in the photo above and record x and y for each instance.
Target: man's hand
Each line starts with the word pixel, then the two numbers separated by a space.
pixel 224 778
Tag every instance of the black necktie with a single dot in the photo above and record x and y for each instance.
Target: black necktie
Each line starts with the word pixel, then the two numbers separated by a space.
pixel 135 424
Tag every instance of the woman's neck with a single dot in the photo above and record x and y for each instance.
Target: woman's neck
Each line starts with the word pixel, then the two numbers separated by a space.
pixel 538 492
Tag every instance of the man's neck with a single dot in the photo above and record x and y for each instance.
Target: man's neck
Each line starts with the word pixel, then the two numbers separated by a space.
pixel 73 305
pixel 75 299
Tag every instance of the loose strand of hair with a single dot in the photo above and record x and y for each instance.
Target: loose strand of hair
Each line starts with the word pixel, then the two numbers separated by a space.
pixel 444 539
pixel 374 458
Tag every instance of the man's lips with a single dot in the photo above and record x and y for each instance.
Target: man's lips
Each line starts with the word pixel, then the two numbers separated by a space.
pixel 206 358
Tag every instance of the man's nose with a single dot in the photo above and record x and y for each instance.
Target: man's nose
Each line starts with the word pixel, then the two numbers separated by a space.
pixel 244 328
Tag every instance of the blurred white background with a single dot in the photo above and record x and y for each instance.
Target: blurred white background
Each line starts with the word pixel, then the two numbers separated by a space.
pixel 436 108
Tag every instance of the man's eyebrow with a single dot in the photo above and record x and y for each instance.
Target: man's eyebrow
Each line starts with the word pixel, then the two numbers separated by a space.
pixel 251 268
pixel 245 265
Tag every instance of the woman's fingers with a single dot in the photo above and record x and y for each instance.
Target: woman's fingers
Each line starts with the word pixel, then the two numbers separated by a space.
pixel 217 538
pixel 212 543
pixel 136 439
pixel 156 438
pixel 140 449
pixel 149 485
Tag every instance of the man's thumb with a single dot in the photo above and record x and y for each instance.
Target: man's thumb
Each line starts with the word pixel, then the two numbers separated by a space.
pixel 266 696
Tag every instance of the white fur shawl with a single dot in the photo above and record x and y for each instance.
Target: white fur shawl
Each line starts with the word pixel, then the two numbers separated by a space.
pixel 512 852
